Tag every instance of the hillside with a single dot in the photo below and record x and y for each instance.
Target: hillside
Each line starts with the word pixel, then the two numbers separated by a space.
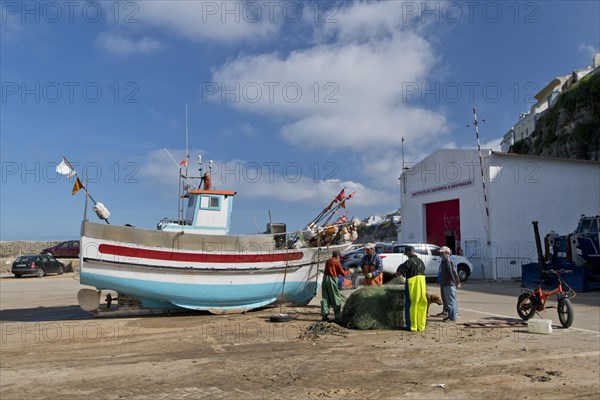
pixel 379 228
pixel 571 128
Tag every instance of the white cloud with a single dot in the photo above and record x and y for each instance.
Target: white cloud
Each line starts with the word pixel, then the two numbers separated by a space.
pixel 351 77
pixel 12 28
pixel 284 183
pixel 364 20
pixel 351 82
pixel 121 45
pixel 247 129
pixel 219 21
pixel 589 50
pixel 493 144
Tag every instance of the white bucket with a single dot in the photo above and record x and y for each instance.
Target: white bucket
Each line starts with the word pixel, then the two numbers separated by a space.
pixel 540 326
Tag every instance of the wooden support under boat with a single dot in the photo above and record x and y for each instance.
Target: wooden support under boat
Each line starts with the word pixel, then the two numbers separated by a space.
pixel 89 300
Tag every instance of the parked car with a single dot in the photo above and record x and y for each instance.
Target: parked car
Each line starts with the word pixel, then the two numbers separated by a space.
pixel 37 264
pixel 68 249
pixel 431 256
pixel 384 247
pixel 352 259
pixel 354 247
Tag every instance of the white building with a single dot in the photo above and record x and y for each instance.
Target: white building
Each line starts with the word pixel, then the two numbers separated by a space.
pixel 525 125
pixel 546 98
pixel 443 203
pixel 508 140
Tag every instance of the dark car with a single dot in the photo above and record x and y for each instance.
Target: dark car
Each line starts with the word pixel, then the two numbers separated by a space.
pixel 68 249
pixel 37 264
pixel 383 247
pixel 352 259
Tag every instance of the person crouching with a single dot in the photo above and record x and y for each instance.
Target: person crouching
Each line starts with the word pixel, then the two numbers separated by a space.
pixel 372 266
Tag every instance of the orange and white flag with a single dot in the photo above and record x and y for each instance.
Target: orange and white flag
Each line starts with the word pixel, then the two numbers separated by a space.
pixel 78 185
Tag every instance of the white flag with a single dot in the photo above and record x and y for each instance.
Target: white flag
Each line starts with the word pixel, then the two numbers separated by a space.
pixel 64 168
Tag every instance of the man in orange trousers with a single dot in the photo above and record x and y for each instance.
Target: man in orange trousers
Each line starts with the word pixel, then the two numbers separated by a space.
pixel 372 266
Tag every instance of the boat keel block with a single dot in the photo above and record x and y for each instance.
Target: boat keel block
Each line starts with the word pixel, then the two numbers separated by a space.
pixel 89 299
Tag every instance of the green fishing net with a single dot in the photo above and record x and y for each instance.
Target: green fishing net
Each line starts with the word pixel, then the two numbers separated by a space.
pixel 375 307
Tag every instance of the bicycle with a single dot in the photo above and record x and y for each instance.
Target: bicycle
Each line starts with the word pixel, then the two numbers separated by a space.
pixel 531 301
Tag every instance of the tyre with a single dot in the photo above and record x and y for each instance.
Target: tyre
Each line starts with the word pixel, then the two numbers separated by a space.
pixel 281 318
pixel 463 272
pixel 40 272
pixel 565 312
pixel 18 275
pixel 61 270
pixel 526 306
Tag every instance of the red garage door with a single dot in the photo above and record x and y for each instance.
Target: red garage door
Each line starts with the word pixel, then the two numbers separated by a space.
pixel 443 224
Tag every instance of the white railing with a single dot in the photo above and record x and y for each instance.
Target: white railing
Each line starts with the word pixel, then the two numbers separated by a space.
pixel 510 267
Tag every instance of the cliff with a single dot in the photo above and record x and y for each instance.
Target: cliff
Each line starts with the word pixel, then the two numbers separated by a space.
pixel 571 128
pixel 379 228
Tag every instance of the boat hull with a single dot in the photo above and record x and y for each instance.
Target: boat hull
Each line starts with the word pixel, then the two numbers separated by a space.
pixel 220 274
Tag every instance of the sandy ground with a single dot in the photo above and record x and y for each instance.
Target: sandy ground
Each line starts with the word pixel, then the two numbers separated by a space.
pixel 51 349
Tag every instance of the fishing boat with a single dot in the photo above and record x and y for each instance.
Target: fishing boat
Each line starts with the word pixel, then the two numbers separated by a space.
pixel 194 263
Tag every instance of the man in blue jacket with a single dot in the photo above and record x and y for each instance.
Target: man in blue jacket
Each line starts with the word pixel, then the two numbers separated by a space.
pixel 449 281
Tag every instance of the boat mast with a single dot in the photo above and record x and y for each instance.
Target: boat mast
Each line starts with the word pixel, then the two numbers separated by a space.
pixel 183 187
pixel 187 149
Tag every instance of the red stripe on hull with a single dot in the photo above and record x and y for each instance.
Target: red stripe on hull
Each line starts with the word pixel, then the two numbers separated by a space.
pixel 122 251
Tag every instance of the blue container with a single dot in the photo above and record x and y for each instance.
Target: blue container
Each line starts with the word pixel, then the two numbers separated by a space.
pixel 580 280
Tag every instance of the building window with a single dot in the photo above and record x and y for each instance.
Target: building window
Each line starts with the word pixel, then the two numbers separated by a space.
pixel 471 248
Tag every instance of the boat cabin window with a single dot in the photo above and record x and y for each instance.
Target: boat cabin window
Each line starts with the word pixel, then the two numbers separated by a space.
pixel 584 226
pixel 594 226
pixel 210 203
pixel 191 208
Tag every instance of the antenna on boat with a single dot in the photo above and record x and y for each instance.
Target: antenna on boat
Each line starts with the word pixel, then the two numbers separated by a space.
pixel 270 223
pixel 187 149
pixel 255 224
pixel 179 167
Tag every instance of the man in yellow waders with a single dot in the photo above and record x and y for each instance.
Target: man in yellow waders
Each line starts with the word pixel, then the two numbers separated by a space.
pixel 415 311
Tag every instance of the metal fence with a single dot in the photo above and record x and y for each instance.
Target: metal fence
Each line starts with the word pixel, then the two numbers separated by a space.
pixel 510 267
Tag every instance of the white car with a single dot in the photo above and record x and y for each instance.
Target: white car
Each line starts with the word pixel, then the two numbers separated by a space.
pixel 431 256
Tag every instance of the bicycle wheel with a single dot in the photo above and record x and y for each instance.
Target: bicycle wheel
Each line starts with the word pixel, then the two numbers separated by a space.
pixel 526 306
pixel 565 312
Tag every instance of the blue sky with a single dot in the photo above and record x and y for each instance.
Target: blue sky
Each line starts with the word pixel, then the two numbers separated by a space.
pixel 317 96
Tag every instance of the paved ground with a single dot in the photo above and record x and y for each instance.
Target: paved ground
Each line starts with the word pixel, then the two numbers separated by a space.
pixel 50 348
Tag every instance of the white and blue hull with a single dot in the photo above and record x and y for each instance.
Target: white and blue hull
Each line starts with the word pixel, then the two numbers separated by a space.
pixel 216 273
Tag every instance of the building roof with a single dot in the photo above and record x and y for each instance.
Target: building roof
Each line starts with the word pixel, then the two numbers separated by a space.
pixel 549 88
pixel 221 192
pixel 485 152
pixel 500 153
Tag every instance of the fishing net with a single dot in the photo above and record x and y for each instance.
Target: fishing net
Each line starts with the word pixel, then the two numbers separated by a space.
pixel 318 329
pixel 397 280
pixel 375 307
